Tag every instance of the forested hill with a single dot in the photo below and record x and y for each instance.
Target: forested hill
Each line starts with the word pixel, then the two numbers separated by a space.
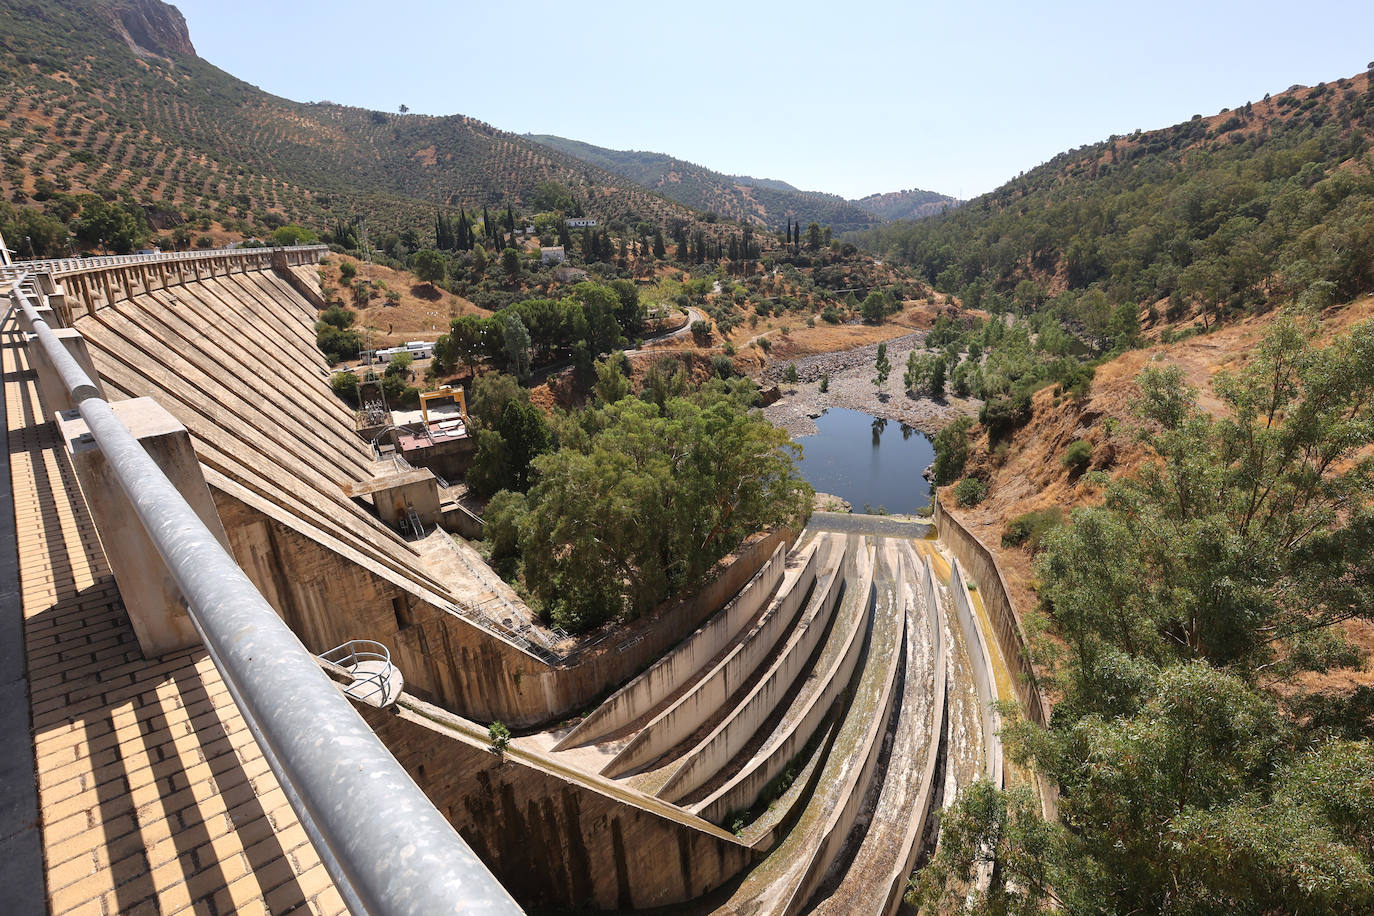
pixel 109 96
pixel 912 204
pixel 764 202
pixel 1270 201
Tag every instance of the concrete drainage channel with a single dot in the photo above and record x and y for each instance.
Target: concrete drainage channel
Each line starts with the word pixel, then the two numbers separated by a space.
pixel 827 714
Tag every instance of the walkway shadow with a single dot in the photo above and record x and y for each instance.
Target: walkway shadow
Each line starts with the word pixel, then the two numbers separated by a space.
pixel 145 734
pixel 160 759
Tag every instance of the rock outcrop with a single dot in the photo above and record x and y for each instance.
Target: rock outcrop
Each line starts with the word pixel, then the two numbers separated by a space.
pixel 151 28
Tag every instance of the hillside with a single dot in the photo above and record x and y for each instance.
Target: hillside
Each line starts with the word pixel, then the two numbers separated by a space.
pixel 764 202
pixel 1212 217
pixel 911 204
pixel 108 96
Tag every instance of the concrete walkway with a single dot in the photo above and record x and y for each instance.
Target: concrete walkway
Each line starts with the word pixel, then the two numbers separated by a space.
pixel 21 842
pixel 152 795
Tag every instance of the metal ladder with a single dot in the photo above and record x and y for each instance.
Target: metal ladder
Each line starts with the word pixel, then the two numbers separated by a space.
pixel 413 522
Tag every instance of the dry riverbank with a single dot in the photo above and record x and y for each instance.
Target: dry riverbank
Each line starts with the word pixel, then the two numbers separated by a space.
pixel 851 385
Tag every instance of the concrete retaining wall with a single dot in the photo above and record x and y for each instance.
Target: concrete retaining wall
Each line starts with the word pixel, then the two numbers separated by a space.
pixel 461 521
pixel 328 596
pixel 706 697
pixel 744 787
pixel 981 564
pixel 673 670
pixel 554 839
pixel 310 292
pixel 739 727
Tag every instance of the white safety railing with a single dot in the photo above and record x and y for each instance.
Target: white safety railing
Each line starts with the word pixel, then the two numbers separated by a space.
pixel 386 847
pixel 59 267
pixel 368 663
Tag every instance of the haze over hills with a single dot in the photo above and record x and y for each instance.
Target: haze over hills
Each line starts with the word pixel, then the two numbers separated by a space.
pixel 764 201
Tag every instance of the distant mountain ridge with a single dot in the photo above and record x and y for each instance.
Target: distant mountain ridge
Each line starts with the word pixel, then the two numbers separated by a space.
pixel 1219 215
pixel 109 96
pixel 766 202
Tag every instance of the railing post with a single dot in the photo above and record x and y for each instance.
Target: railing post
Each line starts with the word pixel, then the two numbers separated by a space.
pixel 155 604
pixel 52 391
pixel 44 312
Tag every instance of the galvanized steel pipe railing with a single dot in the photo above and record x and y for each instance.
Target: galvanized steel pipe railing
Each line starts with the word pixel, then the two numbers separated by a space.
pixel 387 848
pixel 62 266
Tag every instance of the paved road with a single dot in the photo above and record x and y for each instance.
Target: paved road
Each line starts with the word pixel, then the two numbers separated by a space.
pixel 693 315
pixel 878 525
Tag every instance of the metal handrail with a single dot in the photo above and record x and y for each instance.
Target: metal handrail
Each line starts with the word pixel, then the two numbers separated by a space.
pixel 62 266
pixel 348 655
pixel 386 847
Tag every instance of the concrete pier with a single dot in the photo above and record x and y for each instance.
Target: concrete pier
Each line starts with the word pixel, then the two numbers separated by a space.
pixel 155 604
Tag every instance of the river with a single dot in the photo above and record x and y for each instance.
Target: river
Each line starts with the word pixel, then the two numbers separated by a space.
pixel 868 461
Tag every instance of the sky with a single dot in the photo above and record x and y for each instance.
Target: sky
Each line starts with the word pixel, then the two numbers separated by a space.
pixel 853 98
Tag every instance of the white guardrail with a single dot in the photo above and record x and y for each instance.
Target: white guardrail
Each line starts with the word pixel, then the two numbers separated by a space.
pixel 388 849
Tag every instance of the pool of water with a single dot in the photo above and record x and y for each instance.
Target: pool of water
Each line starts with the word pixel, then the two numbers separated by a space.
pixel 868 461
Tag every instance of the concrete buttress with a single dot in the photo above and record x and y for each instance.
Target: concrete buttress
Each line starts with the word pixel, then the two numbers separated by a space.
pixel 154 603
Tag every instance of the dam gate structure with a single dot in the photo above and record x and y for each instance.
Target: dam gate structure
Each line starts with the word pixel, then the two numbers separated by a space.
pixel 780 739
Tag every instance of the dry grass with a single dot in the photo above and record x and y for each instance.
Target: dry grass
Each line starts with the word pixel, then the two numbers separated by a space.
pixel 1030 476
pixel 423 312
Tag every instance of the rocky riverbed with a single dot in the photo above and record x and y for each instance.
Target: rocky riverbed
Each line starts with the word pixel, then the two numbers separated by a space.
pixel 851 385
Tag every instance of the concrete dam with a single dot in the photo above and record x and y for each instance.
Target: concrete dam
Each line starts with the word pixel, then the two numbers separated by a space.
pixel 781 739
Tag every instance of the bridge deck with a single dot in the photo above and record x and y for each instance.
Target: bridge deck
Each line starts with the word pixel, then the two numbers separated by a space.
pixel 152 795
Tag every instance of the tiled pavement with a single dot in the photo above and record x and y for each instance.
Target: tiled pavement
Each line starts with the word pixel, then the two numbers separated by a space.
pixel 152 795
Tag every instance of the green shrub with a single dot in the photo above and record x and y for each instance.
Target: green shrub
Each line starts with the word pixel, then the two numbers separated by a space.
pixel 1077 456
pixel 951 450
pixel 500 737
pixel 1030 528
pixel 1005 413
pixel 825 383
pixel 345 385
pixel 337 344
pixel 970 492
pixel 791 374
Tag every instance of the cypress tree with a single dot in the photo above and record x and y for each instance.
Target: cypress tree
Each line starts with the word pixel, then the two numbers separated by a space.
pixel 486 222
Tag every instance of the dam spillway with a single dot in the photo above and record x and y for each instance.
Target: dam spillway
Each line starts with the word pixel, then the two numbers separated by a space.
pixel 784 737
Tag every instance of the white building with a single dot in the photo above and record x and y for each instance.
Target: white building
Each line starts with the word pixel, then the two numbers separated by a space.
pixel 418 349
pixel 581 223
